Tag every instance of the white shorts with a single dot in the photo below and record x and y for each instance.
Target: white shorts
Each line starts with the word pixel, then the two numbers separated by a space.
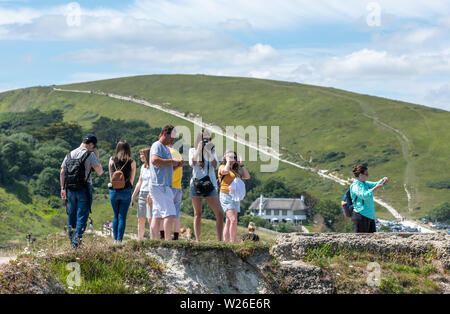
pixel 163 205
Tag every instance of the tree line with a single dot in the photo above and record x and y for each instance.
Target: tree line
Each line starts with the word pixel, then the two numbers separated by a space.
pixel 34 143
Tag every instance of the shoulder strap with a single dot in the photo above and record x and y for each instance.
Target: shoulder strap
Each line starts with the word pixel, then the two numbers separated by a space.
pixel 87 154
pixel 115 166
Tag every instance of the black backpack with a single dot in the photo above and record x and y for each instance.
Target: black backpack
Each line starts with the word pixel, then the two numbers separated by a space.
pixel 75 171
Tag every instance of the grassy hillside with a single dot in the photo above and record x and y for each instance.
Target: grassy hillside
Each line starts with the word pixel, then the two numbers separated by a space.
pixel 331 128
pixel 19 217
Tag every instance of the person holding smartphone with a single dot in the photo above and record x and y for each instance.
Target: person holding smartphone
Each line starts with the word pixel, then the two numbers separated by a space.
pixel 361 192
pixel 204 162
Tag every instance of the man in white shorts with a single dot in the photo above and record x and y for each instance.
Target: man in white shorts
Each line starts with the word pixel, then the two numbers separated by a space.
pixel 161 174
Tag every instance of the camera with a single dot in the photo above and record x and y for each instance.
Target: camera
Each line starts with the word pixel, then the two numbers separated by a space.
pixel 205 141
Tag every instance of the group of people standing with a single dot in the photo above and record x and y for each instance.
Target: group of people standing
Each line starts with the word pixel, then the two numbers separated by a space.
pixel 158 188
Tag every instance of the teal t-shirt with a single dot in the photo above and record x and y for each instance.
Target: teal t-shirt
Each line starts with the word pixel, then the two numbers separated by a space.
pixel 363 193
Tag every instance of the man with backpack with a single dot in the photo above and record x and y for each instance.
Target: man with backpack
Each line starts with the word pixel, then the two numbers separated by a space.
pixel 76 186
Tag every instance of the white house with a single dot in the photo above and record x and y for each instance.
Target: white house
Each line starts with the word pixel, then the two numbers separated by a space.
pixel 280 209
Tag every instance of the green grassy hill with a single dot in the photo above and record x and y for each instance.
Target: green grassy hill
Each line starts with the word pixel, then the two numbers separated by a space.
pixel 319 127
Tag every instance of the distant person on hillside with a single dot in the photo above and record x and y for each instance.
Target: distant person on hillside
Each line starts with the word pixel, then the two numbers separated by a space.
pixel 76 185
pixel 203 185
pixel 232 190
pixel 177 190
pixel 144 210
pixel 251 235
pixel 162 166
pixel 29 235
pixel 361 192
pixel 122 171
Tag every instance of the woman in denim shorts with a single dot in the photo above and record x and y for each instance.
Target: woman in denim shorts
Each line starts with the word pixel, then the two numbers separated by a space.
pixel 144 211
pixel 204 162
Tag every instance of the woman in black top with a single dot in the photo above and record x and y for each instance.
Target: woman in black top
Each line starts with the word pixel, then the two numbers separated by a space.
pixel 121 198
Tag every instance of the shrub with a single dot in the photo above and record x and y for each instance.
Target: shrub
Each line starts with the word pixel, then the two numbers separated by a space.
pixel 444 184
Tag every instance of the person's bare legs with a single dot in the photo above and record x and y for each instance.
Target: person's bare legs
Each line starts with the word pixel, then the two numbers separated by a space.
pixel 226 229
pixel 197 204
pixel 168 224
pixel 141 228
pixel 154 229
pixel 214 203
pixel 176 225
pixel 150 227
pixel 232 218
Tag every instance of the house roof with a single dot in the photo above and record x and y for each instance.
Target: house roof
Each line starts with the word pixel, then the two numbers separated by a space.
pixel 279 203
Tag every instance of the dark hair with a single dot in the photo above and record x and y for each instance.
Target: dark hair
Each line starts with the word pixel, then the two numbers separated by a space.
pixel 235 166
pixel 167 129
pixel 357 170
pixel 123 151
pixel 90 138
pixel 200 136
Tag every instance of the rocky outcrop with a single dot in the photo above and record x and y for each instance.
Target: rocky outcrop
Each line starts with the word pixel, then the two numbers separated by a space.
pixel 285 268
pixel 295 246
pixel 216 270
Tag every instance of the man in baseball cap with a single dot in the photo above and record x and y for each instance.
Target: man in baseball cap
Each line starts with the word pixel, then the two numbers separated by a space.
pixel 90 138
pixel 78 195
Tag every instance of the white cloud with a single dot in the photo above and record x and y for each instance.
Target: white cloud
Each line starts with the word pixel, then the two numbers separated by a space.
pixel 439 97
pixel 197 36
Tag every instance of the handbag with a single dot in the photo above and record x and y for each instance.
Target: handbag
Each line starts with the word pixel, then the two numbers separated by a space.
pixel 203 186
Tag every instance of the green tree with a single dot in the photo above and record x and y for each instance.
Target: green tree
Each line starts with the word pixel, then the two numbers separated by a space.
pixel 47 183
pixel 68 131
pixel 329 210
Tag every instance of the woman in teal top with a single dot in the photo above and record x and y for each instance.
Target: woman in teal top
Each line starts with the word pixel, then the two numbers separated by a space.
pixel 361 192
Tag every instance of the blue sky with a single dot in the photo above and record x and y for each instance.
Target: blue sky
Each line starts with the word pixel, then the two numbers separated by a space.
pixel 395 49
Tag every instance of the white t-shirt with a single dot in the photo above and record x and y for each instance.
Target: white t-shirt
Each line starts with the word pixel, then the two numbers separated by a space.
pixel 145 176
pixel 198 172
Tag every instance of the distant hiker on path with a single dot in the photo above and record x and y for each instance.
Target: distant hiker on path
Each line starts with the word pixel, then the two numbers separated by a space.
pixel 144 210
pixel 162 166
pixel 203 185
pixel 122 171
pixel 76 185
pixel 232 191
pixel 361 192
pixel 251 235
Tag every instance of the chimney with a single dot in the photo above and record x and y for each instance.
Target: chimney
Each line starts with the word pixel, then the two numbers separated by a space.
pixel 261 201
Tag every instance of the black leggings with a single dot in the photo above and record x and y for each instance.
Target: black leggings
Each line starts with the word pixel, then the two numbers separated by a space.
pixel 363 224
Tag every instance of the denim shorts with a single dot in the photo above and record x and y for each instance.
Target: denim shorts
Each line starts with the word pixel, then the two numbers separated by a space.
pixel 143 210
pixel 192 192
pixel 227 203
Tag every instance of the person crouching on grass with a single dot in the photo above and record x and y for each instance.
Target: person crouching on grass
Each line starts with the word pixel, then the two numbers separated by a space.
pixel 161 176
pixel 144 210
pixel 361 191
pixel 231 170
